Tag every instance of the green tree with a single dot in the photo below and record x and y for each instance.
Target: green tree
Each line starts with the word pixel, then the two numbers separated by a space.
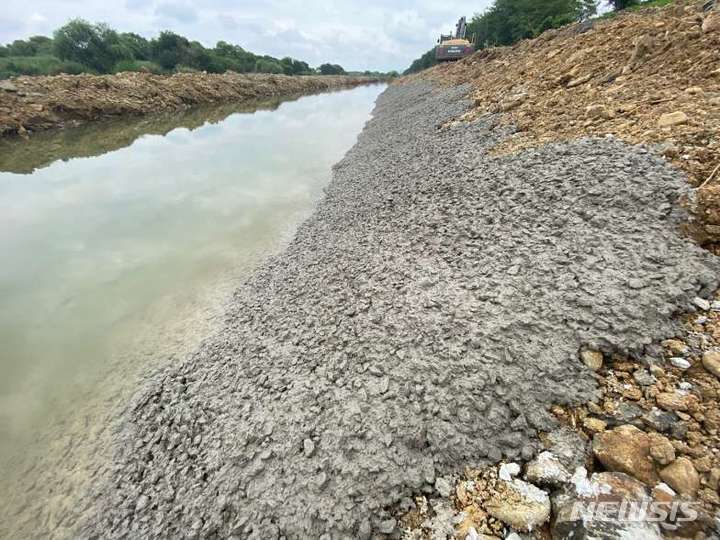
pixel 136 45
pixel 94 45
pixel 20 47
pixel 170 49
pixel 267 64
pixel 331 69
pixel 425 61
pixel 618 5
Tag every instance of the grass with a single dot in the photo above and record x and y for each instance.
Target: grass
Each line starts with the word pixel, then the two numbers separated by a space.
pixel 12 66
pixel 641 5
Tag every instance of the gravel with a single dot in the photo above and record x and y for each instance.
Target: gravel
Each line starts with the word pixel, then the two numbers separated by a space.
pixel 423 319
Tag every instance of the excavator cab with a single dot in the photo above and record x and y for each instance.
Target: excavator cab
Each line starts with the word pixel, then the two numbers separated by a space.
pixel 450 48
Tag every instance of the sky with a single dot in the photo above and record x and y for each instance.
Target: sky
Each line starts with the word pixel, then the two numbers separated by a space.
pixel 357 34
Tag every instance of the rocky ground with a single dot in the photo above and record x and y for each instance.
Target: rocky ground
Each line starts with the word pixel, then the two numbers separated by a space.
pixel 32 104
pixel 442 311
pixel 651 438
pixel 651 77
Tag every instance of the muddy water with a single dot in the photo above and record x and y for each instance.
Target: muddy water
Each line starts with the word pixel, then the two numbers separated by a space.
pixel 119 244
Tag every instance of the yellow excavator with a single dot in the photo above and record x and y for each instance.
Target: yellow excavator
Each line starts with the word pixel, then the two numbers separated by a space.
pixel 450 48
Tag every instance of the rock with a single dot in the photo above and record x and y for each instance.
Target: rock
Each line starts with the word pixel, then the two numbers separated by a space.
pixel 594 425
pixel 521 505
pixel 711 362
pixel 513 102
pixel 568 446
pixel 714 478
pixel 387 526
pixel 680 363
pixel 672 119
pixel 711 22
pixel 7 86
pixel 701 303
pixel 508 470
pixel 308 447
pixel 643 378
pixel 663 493
pixel 661 450
pixel 626 449
pixel 675 346
pixel 682 477
pixel 673 401
pixel 443 486
pixel 575 515
pixel 472 534
pixel 443 521
pixel 547 470
pixel 662 421
pixel 625 413
pixel 142 502
pixel 592 359
pixel 597 111
pixel 579 81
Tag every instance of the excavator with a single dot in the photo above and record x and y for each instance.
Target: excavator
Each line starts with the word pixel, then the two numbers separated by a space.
pixel 451 48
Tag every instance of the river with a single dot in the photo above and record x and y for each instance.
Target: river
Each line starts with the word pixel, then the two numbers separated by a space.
pixel 120 242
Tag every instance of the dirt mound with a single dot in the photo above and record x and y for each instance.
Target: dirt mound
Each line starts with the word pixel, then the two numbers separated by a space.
pixel 651 76
pixel 29 104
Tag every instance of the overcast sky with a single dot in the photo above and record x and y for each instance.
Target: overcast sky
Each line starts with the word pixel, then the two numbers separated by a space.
pixel 358 34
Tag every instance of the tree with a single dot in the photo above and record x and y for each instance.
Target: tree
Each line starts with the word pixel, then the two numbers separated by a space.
pixel 21 47
pixel 291 66
pixel 618 5
pixel 268 64
pixel 170 49
pixel 425 61
pixel 138 46
pixel 94 45
pixel 331 69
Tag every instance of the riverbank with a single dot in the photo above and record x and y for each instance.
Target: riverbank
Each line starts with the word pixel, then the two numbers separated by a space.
pixel 426 318
pixel 647 77
pixel 33 104
pixel 129 274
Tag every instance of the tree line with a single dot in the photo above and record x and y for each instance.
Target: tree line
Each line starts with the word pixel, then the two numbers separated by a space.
pixel 83 47
pixel 508 21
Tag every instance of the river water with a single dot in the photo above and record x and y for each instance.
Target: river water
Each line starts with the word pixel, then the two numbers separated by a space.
pixel 120 243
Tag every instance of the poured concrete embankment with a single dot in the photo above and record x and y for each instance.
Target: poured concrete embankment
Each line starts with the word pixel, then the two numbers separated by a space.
pixel 424 319
pixel 31 104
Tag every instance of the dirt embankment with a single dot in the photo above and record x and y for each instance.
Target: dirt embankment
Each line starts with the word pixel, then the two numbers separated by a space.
pixel 31 104
pixel 650 77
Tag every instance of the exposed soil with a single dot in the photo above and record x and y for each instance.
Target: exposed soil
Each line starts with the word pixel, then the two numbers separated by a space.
pixel 31 104
pixel 618 76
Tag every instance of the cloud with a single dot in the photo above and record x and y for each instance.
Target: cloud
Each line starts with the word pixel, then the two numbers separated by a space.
pixel 357 34
pixel 135 5
pixel 182 13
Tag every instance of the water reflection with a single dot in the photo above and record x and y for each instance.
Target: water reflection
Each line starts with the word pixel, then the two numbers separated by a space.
pixel 115 261
pixel 24 157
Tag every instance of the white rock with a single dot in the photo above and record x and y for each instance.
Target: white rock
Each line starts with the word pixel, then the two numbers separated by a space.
pixel 546 469
pixel 443 486
pixel 521 505
pixel 508 470
pixel 701 303
pixel 679 362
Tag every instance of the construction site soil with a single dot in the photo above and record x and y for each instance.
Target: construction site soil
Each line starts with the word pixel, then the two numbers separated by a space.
pixel 32 104
pixel 651 76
